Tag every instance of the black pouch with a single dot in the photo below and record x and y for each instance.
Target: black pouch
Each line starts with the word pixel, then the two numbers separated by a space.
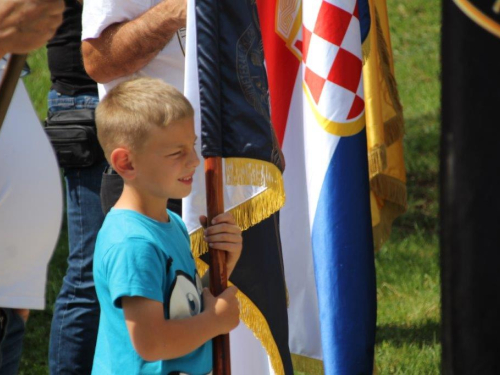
pixel 74 138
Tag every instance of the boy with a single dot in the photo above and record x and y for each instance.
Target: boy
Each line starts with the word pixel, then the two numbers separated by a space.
pixel 155 317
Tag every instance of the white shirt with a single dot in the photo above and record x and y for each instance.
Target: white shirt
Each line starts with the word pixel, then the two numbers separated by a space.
pixel 167 65
pixel 31 205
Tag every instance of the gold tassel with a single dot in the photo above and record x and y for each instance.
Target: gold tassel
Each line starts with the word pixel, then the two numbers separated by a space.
pixel 256 322
pixel 243 171
pixel 393 192
pixel 382 231
pixel 390 189
pixel 394 129
pixel 377 160
pixel 198 244
pixel 307 365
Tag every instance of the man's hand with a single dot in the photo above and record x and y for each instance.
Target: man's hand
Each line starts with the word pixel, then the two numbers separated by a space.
pixel 224 235
pixel 27 24
pixel 224 308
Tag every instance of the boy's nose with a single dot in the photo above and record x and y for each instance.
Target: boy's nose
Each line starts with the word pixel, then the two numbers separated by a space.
pixel 194 161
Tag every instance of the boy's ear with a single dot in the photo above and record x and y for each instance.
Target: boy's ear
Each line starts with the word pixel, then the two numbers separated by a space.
pixel 121 162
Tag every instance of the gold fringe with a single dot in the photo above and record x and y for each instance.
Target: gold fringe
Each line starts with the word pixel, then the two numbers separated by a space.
pixel 198 244
pixel 243 171
pixel 253 319
pixel 395 127
pixel 366 48
pixel 377 160
pixel 382 231
pixel 390 189
pixel 256 322
pixel 393 192
pixel 307 365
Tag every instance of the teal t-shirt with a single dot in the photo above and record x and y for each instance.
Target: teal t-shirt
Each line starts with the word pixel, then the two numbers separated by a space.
pixel 138 256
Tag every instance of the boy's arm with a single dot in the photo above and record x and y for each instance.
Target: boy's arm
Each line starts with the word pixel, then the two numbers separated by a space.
pixel 155 338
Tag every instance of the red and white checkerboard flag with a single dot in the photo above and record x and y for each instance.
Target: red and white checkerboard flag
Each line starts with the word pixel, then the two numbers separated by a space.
pixel 314 64
pixel 332 64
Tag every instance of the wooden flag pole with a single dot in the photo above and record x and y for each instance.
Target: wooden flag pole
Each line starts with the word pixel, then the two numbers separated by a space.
pixel 9 82
pixel 217 263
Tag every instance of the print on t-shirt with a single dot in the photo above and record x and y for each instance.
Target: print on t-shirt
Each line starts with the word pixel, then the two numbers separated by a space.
pixel 185 296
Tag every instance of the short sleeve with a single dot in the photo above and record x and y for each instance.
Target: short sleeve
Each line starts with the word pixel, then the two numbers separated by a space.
pixel 181 224
pixel 134 269
pixel 99 14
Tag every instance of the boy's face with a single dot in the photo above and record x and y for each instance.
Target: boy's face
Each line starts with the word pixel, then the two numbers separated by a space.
pixel 166 163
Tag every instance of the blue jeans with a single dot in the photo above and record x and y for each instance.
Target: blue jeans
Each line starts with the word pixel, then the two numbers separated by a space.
pixel 11 342
pixel 76 312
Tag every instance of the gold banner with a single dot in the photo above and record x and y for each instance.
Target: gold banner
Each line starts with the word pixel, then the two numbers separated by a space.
pixel 384 127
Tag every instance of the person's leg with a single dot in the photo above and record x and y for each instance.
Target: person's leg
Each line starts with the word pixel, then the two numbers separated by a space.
pixel 11 341
pixel 76 311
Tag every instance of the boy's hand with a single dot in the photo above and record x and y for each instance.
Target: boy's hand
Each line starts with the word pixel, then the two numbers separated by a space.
pixel 224 308
pixel 224 235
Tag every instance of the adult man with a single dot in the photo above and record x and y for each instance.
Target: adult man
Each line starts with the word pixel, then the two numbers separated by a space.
pixel 76 311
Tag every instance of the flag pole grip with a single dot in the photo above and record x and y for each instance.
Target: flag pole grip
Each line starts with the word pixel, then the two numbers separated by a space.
pixel 9 82
pixel 217 262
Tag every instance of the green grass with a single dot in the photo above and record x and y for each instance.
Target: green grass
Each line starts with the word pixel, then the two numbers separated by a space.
pixel 38 81
pixel 408 291
pixel 408 323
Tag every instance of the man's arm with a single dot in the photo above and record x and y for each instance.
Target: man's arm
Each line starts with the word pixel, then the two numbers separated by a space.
pixel 155 338
pixel 27 24
pixel 124 48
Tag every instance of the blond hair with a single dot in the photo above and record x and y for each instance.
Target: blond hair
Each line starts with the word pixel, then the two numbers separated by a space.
pixel 127 113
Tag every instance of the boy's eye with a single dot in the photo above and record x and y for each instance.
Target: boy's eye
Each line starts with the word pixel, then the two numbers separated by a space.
pixel 175 154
